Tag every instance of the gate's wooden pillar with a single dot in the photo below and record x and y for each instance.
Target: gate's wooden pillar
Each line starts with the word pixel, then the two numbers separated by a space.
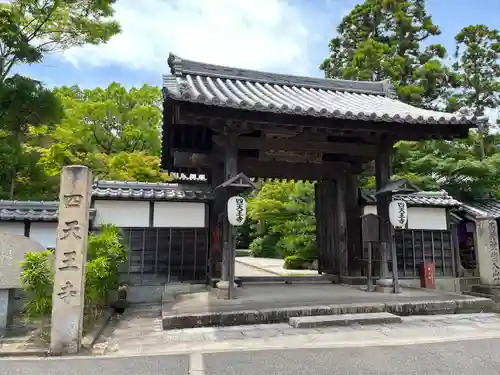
pixel 318 213
pixel 331 227
pixel 226 285
pixel 382 177
pixel 341 227
pixel 216 210
pixel 354 240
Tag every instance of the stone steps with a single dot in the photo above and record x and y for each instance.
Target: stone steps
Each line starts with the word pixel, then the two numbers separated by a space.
pixel 343 320
pixel 173 320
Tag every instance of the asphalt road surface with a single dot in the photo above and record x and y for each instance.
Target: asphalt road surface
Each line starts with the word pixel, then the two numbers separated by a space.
pixel 481 357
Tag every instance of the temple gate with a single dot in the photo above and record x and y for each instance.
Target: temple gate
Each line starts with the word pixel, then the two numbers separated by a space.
pixel 221 121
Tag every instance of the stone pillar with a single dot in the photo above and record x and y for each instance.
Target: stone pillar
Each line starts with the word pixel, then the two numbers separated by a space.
pixel 488 253
pixel 70 258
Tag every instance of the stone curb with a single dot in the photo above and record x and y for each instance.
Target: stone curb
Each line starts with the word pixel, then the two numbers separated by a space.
pixel 343 320
pixel 25 353
pixel 281 315
pixel 90 338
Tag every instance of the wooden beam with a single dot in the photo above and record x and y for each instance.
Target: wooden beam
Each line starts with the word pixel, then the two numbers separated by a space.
pixel 297 171
pixel 272 169
pixel 254 143
pixel 416 131
pixel 192 159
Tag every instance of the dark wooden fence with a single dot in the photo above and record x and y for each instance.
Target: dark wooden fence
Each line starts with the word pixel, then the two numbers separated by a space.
pixel 415 246
pixel 166 255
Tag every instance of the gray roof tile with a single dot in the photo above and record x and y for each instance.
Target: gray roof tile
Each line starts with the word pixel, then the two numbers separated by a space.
pixel 251 90
pixel 30 210
pixel 150 190
pixel 421 198
pixel 483 207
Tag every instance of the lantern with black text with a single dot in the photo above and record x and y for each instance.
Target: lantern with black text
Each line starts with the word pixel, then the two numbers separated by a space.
pixel 398 214
pixel 236 210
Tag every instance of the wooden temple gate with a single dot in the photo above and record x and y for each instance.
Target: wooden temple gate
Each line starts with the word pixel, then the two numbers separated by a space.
pixel 221 121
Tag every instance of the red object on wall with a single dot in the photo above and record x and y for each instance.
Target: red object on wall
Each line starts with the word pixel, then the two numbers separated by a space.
pixel 427 275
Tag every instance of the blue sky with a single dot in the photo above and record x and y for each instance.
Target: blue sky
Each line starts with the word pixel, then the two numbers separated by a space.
pixel 288 36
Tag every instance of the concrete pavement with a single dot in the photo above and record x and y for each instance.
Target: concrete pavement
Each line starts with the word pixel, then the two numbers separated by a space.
pixel 271 266
pixel 470 357
pixel 138 336
pixel 243 269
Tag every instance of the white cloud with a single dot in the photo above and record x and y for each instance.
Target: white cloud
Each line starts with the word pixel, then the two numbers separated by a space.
pixel 253 34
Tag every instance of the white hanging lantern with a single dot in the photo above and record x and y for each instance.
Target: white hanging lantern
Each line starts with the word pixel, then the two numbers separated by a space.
pixel 398 214
pixel 236 210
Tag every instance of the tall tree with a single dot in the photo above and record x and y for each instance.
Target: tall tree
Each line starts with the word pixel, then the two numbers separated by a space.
pixel 478 72
pixel 114 131
pixel 111 120
pixel 29 29
pixel 24 104
pixel 383 39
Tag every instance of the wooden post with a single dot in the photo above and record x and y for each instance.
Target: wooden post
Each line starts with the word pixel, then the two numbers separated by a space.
pixel 382 177
pixel 354 240
pixel 216 209
pixel 226 285
pixel 342 248
pixel 326 230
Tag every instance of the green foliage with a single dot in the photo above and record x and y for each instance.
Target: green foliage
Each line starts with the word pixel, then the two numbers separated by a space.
pixel 285 222
pixel 105 254
pixel 383 39
pixel 294 262
pixel 38 280
pixel 392 39
pixel 265 245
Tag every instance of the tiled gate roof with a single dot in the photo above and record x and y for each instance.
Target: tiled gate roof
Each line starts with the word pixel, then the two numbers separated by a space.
pixel 279 93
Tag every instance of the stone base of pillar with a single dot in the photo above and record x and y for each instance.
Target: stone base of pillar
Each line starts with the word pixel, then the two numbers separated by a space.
pixel 222 289
pixel 384 286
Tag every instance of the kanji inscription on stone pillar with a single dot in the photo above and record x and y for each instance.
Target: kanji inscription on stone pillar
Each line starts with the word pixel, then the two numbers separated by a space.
pixel 70 257
pixel 488 251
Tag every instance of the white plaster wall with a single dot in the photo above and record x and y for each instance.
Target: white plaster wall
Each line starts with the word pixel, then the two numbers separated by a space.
pixel 420 217
pixel 44 232
pixel 179 215
pixel 427 218
pixel 12 227
pixel 122 213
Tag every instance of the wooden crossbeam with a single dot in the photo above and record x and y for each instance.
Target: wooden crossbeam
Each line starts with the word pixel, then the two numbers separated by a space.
pixel 255 143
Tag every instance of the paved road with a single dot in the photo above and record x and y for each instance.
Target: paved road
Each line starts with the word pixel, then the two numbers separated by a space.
pixel 480 357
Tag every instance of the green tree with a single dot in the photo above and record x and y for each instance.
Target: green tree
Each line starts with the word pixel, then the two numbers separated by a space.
pixel 383 39
pixel 114 131
pixel 466 168
pixel 30 29
pixel 24 104
pixel 478 72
